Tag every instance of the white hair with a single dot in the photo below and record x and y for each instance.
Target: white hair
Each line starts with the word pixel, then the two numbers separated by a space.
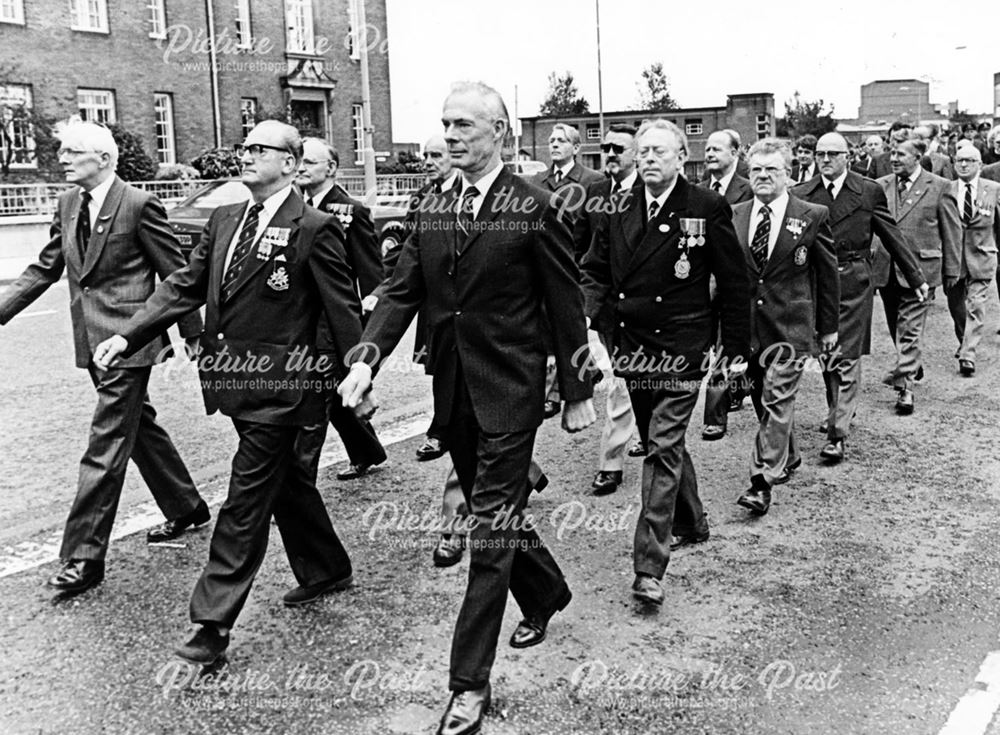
pixel 95 137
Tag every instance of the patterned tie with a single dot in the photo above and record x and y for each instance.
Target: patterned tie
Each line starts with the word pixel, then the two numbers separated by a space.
pixel 902 184
pixel 758 247
pixel 466 214
pixel 717 187
pixel 654 207
pixel 83 223
pixel 967 209
pixel 244 246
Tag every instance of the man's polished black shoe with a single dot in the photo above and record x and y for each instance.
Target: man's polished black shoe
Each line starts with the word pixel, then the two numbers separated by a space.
pixel 966 368
pixel 550 409
pixel 679 542
pixel 786 474
pixel 833 451
pixel 304 595
pixel 176 526
pixel 757 500
pixel 606 481
pixel 79 575
pixel 465 712
pixel 647 589
pixel 531 631
pixel 448 551
pixel 638 449
pixel 432 448
pixel 824 428
pixel 541 483
pixel 205 647
pixel 735 404
pixel 904 402
pixel 711 432
pixel 356 470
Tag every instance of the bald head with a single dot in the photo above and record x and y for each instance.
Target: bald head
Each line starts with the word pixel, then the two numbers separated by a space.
pixel 831 155
pixel 874 144
pixel 968 161
pixel 437 162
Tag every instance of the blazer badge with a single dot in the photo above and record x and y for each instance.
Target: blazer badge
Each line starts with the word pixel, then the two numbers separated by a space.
pixel 692 232
pixel 800 255
pixel 278 280
pixel 343 212
pixel 796 227
pixel 273 238
pixel 682 268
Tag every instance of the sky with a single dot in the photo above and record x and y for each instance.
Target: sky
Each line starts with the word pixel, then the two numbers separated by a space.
pixel 708 49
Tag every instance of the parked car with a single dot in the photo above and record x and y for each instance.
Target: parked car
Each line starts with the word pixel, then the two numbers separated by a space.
pixel 188 218
pixel 527 169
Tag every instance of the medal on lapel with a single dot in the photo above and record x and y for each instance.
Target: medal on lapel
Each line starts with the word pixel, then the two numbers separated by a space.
pixel 795 226
pixel 692 232
pixel 272 239
pixel 682 268
pixel 343 212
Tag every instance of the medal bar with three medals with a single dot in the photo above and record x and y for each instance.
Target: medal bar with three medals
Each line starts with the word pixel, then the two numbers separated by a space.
pixel 692 235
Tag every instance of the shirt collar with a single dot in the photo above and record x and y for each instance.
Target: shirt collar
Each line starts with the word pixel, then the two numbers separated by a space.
pixel 724 180
pixel 565 169
pixel 660 200
pixel 320 194
pixel 838 183
pixel 100 192
pixel 974 183
pixel 449 181
pixel 273 203
pixel 628 182
pixel 777 207
pixel 484 184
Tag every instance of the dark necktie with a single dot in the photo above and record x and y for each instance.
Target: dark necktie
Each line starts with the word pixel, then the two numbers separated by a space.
pixel 83 223
pixel 558 176
pixel 653 209
pixel 466 214
pixel 758 246
pixel 437 187
pixel 717 187
pixel 967 209
pixel 244 246
pixel 802 173
pixel 616 186
pixel 829 188
pixel 902 183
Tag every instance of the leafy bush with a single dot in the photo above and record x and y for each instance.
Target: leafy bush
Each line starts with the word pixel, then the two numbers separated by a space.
pixel 176 172
pixel 217 163
pixel 134 164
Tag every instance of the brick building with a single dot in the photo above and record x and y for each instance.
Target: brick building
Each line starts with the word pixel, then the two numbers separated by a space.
pixel 147 65
pixel 751 115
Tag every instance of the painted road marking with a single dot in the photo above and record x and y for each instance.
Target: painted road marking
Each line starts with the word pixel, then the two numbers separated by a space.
pixel 975 710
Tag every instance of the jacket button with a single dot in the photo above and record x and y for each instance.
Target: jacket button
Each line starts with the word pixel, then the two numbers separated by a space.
pixel 622 324
pixel 656 331
pixel 220 335
pixel 621 296
pixel 86 289
pixel 761 281
pixel 458 313
pixel 659 299
pixel 760 302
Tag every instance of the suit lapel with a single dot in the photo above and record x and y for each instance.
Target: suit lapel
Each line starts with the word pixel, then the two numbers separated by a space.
pixel 654 237
pixel 225 231
pixel 786 241
pixel 917 190
pixel 69 216
pixel 847 201
pixel 102 226
pixel 287 217
pixel 741 222
pixel 487 211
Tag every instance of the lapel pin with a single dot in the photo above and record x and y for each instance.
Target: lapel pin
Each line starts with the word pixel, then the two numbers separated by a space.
pixel 664 228
pixel 100 229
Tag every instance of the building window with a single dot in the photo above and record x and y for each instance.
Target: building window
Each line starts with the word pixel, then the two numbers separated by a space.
pixel 692 126
pixel 358 121
pixel 89 15
pixel 353 44
pixel 12 11
pixel 163 108
pixel 593 132
pixel 96 105
pixel 763 126
pixel 244 35
pixel 248 114
pixel 157 19
pixel 300 26
pixel 17 144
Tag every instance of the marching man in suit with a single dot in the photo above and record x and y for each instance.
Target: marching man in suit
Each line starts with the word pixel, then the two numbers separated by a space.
pixel 317 180
pixel 113 241
pixel 795 296
pixel 266 270
pixel 858 210
pixel 483 259
pixel 926 210
pixel 565 172
pixel 978 201
pixel 721 156
pixel 651 260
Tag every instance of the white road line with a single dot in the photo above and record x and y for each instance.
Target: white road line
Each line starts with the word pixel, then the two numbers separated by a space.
pixel 975 710
pixel 31 554
pixel 35 313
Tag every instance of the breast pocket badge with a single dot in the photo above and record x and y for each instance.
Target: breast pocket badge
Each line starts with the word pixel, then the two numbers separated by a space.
pixel 800 255
pixel 278 280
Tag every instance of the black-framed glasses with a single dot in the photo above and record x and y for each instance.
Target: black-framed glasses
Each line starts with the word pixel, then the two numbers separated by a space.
pixel 257 149
pixel 74 152
pixel 608 147
pixel 830 154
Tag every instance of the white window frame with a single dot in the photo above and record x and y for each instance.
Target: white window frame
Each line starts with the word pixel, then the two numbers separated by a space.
pixel 21 131
pixel 358 124
pixel 354 50
pixel 163 115
pixel 593 132
pixel 299 20
pixel 91 109
pixel 693 128
pixel 89 15
pixel 12 11
pixel 244 29
pixel 248 110
pixel 157 18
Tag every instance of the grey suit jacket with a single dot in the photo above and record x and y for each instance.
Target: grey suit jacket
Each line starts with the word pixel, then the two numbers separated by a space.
pixel 131 244
pixel 981 235
pixel 738 190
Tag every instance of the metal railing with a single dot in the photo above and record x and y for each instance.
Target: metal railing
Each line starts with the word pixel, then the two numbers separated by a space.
pixel 40 199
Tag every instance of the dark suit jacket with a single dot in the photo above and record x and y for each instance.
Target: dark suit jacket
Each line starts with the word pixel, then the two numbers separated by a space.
pixel 570 194
pixel 991 172
pixel 883 165
pixel 929 221
pixel 738 190
pixel 484 307
pixel 864 166
pixel 272 314
pixel 859 212
pixel 657 309
pixel 796 167
pixel 797 296
pixel 363 253
pixel 130 244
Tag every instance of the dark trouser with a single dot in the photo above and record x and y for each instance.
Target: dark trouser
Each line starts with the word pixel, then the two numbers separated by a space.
pixel 274 473
pixel 493 471
pixel 435 430
pixel 358 436
pixel 124 425
pixel 670 502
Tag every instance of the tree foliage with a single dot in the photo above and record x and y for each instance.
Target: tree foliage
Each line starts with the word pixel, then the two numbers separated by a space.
pixel 654 89
pixel 563 97
pixel 217 163
pixel 805 117
pixel 134 164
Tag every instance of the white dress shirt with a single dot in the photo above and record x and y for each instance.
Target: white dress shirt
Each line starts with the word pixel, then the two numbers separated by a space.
pixel 482 186
pixel 838 183
pixel 723 182
pixel 271 205
pixel 97 196
pixel 777 207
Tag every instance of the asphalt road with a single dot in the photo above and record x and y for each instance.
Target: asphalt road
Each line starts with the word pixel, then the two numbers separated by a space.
pixel 864 602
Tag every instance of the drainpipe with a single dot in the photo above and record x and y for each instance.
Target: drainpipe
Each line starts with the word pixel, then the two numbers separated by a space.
pixel 214 74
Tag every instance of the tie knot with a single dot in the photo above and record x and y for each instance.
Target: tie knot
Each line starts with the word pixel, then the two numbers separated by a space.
pixel 765 211
pixel 717 187
pixel 255 210
pixel 654 207
pixel 86 197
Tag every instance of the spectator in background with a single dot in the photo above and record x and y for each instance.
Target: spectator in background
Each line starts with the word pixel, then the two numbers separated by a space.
pixel 804 165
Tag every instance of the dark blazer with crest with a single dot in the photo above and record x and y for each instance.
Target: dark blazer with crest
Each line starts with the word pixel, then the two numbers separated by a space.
pixel 131 244
pixel 797 295
pixel 272 313
pixel 662 315
pixel 930 223
pixel 484 307
pixel 363 253
pixel 859 212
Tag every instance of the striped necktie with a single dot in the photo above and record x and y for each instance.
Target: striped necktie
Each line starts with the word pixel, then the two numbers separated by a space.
pixel 244 246
pixel 758 246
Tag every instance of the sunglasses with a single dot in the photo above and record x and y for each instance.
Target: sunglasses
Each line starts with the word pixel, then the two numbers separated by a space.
pixel 608 147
